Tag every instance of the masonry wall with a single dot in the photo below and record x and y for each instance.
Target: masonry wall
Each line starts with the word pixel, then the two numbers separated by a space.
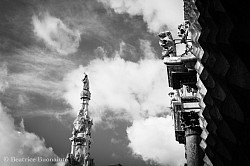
pixel 221 33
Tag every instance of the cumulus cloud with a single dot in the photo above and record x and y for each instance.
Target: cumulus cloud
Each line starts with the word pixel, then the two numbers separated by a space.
pixel 156 14
pixel 138 89
pixel 20 143
pixel 56 34
pixel 154 139
pixel 133 91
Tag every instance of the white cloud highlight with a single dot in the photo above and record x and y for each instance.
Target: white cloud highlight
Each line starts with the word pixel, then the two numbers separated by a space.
pixel 20 143
pixel 16 142
pixel 131 91
pixel 156 14
pixel 56 34
pixel 154 139
pixel 140 89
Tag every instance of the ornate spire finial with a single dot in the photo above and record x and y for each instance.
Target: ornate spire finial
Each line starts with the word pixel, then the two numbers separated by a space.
pixel 81 139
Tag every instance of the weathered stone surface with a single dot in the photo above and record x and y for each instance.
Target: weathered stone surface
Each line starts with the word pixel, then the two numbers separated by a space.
pixel 221 65
pixel 225 132
pixel 209 152
pixel 231 109
pixel 211 140
pixel 238 74
pixel 218 93
pixel 211 59
pixel 215 114
pixel 211 127
pixel 225 28
pixel 217 161
pixel 222 150
pixel 207 79
pixel 207 161
pixel 225 77
pixel 204 134
pixel 206 113
pixel 192 147
pixel 205 57
pixel 208 100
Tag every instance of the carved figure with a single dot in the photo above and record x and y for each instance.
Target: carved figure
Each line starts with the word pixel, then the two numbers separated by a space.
pixel 167 43
pixel 85 82
pixel 183 31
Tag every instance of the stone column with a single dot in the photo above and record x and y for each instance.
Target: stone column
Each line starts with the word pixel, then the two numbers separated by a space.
pixel 192 146
pixel 192 134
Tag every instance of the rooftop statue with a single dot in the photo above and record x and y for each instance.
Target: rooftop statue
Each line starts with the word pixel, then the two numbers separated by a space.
pixel 183 31
pixel 85 92
pixel 167 43
pixel 85 82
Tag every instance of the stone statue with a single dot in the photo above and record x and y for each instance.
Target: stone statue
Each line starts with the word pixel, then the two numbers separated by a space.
pixel 183 31
pixel 167 43
pixel 85 92
pixel 85 82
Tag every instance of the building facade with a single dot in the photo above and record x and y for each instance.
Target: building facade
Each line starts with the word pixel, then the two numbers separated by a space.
pixel 219 31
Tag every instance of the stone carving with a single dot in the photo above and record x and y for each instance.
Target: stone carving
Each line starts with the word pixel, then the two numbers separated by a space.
pixel 81 139
pixel 183 31
pixel 167 43
pixel 85 92
pixel 85 82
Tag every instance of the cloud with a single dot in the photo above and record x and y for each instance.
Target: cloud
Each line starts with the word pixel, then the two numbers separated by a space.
pixel 100 52
pixel 30 81
pixel 132 91
pixel 147 49
pixel 154 139
pixel 127 51
pixel 3 77
pixel 56 34
pixel 16 142
pixel 60 164
pixel 34 71
pixel 115 141
pixel 137 89
pixel 158 14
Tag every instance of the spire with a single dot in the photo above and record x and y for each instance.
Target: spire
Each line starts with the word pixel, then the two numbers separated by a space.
pixel 81 139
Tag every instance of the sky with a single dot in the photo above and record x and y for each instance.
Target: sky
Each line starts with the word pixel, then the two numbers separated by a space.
pixel 45 48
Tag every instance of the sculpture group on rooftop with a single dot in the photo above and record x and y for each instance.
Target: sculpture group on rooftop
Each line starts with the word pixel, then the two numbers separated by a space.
pixel 168 43
pixel 182 78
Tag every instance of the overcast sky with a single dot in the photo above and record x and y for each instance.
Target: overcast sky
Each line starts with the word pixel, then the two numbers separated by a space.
pixel 47 45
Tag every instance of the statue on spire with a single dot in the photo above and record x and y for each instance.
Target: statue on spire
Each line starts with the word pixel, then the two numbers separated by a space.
pixel 85 82
pixel 85 92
